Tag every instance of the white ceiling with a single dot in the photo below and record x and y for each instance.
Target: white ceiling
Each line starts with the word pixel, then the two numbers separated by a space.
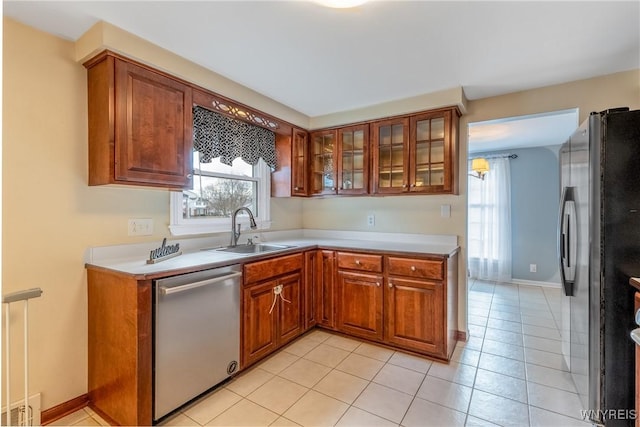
pixel 537 130
pixel 318 60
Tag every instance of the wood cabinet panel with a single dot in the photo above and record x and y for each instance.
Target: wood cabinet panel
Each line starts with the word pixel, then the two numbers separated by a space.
pixel 415 315
pixel 360 304
pixel 300 158
pixel 390 152
pixel 361 262
pixel 259 327
pixel 140 126
pixel 311 281
pixel 290 322
pixel 323 171
pixel 263 270
pixel 353 159
pixel 419 268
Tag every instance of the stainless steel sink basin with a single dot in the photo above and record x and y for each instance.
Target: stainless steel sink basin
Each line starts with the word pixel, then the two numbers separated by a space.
pixel 253 249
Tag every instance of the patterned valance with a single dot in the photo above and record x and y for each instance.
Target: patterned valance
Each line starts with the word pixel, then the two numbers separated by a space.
pixel 215 135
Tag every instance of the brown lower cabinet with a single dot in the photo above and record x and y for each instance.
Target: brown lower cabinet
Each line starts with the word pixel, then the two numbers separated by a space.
pixel 272 306
pixel 406 302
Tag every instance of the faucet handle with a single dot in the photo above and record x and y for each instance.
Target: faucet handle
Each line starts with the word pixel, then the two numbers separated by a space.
pixel 250 241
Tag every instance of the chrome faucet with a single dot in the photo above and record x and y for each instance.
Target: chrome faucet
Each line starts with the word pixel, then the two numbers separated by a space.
pixel 235 232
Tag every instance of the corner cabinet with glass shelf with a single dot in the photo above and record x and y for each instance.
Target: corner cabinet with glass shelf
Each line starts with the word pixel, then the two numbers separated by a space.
pixel 323 176
pixel 416 154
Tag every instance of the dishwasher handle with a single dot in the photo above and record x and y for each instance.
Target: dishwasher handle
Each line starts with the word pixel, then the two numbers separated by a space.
pixel 176 289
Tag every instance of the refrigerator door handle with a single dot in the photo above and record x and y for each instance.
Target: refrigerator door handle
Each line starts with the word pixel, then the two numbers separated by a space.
pixel 567 242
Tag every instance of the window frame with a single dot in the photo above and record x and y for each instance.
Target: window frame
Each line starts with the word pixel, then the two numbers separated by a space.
pixel 179 226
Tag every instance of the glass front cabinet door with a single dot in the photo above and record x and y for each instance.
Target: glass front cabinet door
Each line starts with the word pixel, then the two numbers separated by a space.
pixel 390 155
pixel 299 154
pixel 353 160
pixel 416 154
pixel 323 163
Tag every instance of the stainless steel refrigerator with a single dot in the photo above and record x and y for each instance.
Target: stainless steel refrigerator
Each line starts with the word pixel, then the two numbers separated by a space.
pixel 599 250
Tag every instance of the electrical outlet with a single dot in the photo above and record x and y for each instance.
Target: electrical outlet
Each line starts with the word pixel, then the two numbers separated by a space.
pixel 371 220
pixel 533 268
pixel 140 227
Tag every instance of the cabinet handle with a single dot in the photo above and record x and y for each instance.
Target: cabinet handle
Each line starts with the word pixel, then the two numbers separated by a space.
pixel 413 268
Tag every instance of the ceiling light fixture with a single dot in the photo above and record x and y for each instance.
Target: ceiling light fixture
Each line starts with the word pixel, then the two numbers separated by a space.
pixel 480 166
pixel 341 4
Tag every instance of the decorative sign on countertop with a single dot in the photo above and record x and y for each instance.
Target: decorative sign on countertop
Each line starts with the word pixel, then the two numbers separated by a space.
pixel 164 252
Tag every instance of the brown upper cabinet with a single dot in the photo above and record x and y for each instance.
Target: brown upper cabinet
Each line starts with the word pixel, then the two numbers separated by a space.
pixel 140 125
pixel 353 159
pixel 416 154
pixel 323 169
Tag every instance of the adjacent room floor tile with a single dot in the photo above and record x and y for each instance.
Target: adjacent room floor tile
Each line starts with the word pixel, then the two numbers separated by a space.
pixel 544 344
pixel 505 325
pixel 541 418
pixel 502 365
pixel 544 358
pixel 550 377
pixel 454 372
pixel 555 400
pixel 501 385
pixel 477 422
pixel 505 350
pixel 498 410
pixel 466 356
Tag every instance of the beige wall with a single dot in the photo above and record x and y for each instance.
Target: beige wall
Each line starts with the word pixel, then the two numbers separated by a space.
pixel 50 215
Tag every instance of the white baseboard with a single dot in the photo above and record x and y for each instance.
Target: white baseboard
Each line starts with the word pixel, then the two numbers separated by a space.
pixel 536 283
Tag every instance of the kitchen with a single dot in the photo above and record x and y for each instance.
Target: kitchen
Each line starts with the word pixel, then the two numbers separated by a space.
pixel 74 217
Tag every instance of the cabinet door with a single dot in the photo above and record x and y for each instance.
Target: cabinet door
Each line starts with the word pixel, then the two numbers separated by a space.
pixel 390 155
pixel 414 313
pixel 637 405
pixel 323 163
pixel 290 323
pixel 300 157
pixel 154 128
pixel 259 334
pixel 325 289
pixel 360 304
pixel 353 160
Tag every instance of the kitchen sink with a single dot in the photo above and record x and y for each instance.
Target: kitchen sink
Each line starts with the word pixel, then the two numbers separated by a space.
pixel 253 249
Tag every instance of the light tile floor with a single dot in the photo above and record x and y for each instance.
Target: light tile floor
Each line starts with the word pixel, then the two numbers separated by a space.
pixel 509 373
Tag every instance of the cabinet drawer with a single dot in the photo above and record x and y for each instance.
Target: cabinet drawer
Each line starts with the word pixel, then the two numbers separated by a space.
pixel 426 269
pixel 360 262
pixel 263 270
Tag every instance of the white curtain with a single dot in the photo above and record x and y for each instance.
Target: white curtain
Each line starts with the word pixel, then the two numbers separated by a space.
pixel 489 223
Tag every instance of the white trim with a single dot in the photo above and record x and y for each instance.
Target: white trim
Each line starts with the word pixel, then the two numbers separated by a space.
pixel 184 227
pixel 536 283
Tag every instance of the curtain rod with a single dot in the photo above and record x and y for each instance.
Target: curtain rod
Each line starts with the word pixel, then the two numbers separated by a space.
pixel 496 156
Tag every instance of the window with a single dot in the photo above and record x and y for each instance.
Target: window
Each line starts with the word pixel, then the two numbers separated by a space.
pixel 218 190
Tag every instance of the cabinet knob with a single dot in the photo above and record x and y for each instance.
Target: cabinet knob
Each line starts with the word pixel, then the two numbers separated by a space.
pixel 378 284
pixel 390 285
pixel 358 262
pixel 189 175
pixel 413 185
pixel 333 188
pixel 296 188
pixel 413 268
pixel 404 185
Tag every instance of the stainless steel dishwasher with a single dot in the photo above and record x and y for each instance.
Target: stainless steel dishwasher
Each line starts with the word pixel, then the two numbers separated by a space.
pixel 196 334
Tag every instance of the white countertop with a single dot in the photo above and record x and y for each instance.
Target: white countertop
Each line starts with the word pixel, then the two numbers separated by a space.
pixel 131 259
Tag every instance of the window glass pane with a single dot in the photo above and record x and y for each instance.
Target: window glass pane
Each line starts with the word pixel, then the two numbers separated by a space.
pixel 214 197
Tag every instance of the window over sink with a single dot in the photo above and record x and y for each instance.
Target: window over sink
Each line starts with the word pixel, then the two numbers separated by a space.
pixel 218 190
